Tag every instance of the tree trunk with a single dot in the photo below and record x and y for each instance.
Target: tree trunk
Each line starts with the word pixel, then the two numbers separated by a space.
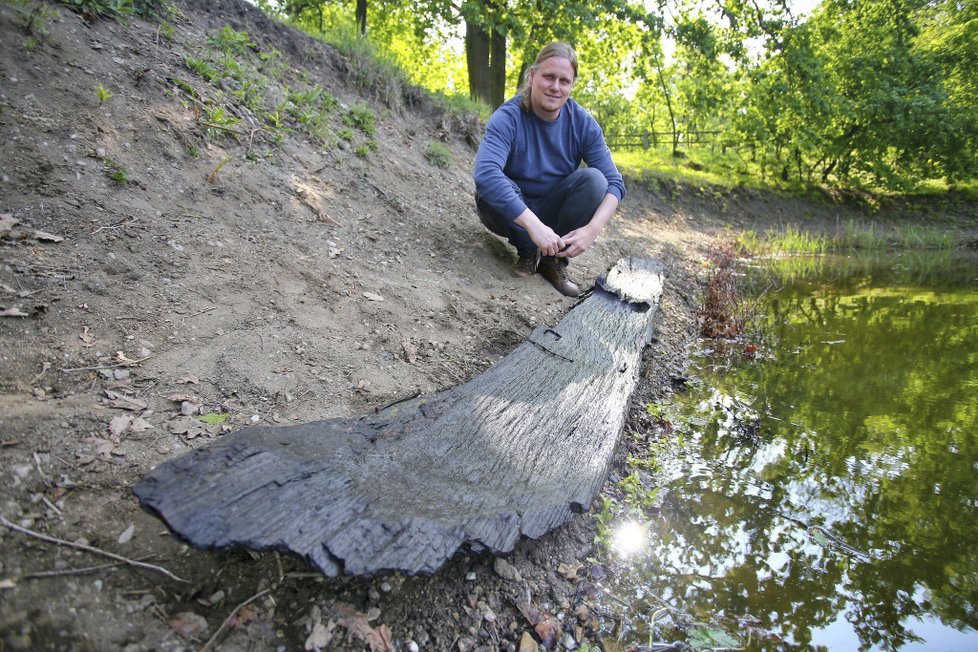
pixel 672 115
pixel 513 452
pixel 362 16
pixel 477 49
pixel 497 68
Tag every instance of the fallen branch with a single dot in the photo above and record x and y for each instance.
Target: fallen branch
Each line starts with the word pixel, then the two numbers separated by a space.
pixel 227 620
pixel 128 363
pixel 91 549
pixel 77 571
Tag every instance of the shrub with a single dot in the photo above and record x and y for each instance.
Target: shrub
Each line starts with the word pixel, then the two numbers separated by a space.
pixel 438 154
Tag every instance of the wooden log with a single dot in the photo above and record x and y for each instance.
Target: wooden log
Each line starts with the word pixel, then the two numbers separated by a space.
pixel 513 452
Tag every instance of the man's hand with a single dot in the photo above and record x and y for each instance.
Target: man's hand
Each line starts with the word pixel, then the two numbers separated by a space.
pixel 545 238
pixel 577 241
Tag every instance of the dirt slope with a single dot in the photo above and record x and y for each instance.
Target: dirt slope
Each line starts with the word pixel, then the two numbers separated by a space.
pixel 267 281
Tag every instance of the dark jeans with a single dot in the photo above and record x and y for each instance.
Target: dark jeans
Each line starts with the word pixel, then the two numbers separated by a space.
pixel 569 205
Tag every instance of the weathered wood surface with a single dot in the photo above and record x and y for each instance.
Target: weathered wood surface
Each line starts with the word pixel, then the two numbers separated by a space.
pixel 513 452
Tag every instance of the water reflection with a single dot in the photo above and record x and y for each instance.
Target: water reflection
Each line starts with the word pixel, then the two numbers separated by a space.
pixel 629 538
pixel 826 490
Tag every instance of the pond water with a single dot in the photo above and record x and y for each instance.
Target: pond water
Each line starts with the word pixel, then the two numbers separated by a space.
pixel 823 487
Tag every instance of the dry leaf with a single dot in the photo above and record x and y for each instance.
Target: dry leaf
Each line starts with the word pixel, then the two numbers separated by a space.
pixel 335 251
pixel 188 624
pixel 549 632
pixel 410 350
pixel 121 357
pixel 86 338
pixel 380 640
pixel 189 427
pixel 321 636
pixel 189 379
pixel 13 311
pixel 570 570
pixel 123 402
pixel 7 223
pixel 243 616
pixel 48 237
pixel 104 449
pixel 118 425
pixel 126 535
pixel 358 626
pixel 373 297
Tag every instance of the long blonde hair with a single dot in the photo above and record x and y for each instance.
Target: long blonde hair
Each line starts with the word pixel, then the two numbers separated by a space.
pixel 555 49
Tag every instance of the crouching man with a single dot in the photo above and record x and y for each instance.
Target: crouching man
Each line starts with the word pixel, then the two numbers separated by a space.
pixel 530 186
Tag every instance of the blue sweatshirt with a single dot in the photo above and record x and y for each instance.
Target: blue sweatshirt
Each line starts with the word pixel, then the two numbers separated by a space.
pixel 521 152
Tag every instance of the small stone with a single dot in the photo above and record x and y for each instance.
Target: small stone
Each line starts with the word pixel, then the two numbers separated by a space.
pixel 527 643
pixel 412 646
pixel 568 642
pixel 506 570
pixel 470 576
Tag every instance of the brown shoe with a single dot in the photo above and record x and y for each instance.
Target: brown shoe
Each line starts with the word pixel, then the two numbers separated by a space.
pixel 555 271
pixel 526 266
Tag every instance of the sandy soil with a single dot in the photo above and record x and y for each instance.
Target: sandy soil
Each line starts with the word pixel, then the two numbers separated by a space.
pixel 305 284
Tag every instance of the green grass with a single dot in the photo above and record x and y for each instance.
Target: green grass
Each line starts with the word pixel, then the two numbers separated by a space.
pixel 438 154
pixel 701 166
pixel 121 9
pixel 789 240
pixel 868 236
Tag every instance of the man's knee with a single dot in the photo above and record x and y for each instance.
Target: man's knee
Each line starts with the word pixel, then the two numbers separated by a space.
pixel 593 182
pixel 490 218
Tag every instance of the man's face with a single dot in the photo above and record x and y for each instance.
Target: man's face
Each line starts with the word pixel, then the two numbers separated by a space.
pixel 550 86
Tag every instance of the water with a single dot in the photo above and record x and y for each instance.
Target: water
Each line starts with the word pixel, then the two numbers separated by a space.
pixel 823 489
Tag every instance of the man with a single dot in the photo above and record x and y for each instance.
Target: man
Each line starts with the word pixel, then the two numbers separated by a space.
pixel 530 187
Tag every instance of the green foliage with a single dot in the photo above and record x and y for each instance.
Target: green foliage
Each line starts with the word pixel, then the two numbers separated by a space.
pixel 218 117
pixel 360 117
pixel 34 22
pixel 203 68
pixel 639 495
pixel 438 154
pixel 242 75
pixel 97 9
pixel 115 171
pixel 167 31
pixel 603 519
pixel 364 150
pixel 102 94
pixel 705 637
pixel 231 42
pixel 121 9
